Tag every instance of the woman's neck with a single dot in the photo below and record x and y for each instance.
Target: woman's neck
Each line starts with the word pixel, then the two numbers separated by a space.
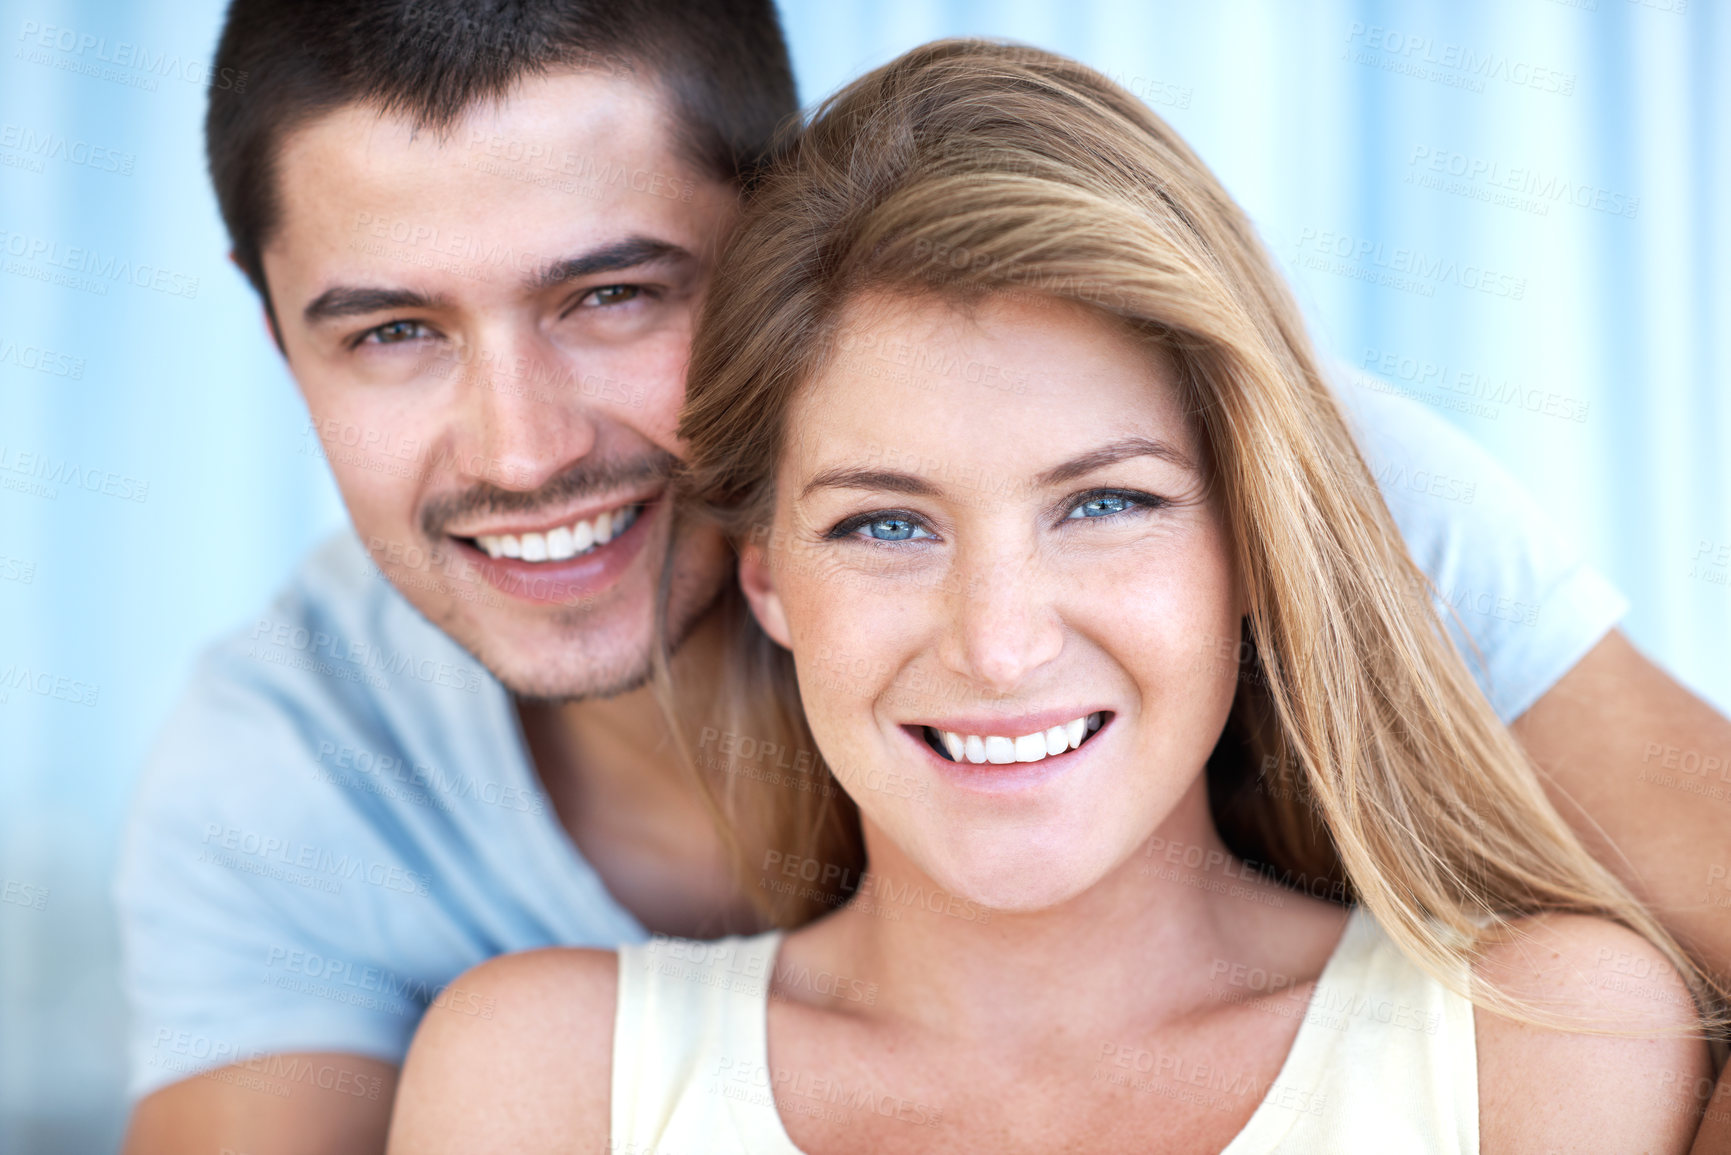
pixel 1142 942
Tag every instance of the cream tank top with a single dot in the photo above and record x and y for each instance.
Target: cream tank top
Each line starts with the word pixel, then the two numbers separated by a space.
pixel 1384 1061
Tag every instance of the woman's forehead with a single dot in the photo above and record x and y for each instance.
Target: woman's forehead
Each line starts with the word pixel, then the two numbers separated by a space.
pixel 989 366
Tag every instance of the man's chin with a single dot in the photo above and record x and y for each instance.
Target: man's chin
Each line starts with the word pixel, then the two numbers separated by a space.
pixel 562 691
pixel 562 656
pixel 573 654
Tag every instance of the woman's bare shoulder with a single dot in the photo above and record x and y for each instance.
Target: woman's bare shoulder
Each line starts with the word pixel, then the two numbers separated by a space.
pixel 1542 1088
pixel 513 1056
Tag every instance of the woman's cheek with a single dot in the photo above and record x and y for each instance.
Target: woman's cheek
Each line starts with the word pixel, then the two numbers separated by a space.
pixel 1172 626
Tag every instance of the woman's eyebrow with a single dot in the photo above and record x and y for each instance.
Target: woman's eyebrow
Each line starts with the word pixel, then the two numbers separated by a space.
pixel 895 481
pixel 1112 454
pixel 890 480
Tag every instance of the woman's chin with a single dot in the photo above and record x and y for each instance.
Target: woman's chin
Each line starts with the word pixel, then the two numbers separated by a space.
pixel 1016 882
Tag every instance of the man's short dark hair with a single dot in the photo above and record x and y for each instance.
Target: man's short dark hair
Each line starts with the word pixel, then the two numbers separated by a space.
pixel 722 64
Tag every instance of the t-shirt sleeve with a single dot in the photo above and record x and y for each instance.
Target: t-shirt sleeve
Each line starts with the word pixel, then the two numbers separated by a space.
pixel 238 870
pixel 1520 602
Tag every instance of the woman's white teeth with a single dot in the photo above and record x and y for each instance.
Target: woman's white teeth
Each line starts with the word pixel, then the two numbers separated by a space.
pixel 1028 748
pixel 562 543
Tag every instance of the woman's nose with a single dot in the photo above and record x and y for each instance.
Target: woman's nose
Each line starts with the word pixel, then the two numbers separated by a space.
pixel 1004 623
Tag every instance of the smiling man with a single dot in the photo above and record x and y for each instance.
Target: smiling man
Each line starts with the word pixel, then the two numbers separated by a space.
pixel 481 240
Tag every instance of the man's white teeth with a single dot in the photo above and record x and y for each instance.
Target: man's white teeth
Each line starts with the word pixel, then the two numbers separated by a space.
pixel 563 543
pixel 1028 748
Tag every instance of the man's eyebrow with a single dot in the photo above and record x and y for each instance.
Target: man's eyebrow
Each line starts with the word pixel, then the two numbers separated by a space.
pixel 1112 454
pixel 349 301
pixel 613 258
pixel 887 480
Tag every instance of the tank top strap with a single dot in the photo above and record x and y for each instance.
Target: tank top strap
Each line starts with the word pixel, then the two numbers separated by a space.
pixel 690 1049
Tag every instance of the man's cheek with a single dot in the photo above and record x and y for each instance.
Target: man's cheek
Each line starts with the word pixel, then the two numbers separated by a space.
pixel 645 391
pixel 381 492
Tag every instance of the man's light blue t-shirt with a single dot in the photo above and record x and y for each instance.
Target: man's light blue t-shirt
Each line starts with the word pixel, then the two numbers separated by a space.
pixel 341 816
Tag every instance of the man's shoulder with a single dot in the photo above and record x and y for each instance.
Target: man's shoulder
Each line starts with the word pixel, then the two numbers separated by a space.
pixel 339 630
pixel 337 679
pixel 1422 460
pixel 1521 602
pixel 338 647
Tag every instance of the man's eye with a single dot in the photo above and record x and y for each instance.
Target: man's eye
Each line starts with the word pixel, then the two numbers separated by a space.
pixel 1107 504
pixel 612 295
pixel 395 332
pixel 883 527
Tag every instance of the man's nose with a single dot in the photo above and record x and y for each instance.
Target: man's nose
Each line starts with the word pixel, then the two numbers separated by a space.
pixel 1004 622
pixel 522 418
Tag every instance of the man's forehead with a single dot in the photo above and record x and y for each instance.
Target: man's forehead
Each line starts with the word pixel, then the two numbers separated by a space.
pixel 563 164
pixel 560 122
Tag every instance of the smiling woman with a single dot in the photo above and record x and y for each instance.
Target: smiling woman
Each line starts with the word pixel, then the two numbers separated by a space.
pixel 1166 527
pixel 1114 667
pixel 1069 601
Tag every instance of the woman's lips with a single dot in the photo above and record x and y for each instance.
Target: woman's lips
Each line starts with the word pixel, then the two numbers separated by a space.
pixel 999 778
pixel 571 581
pixel 1036 745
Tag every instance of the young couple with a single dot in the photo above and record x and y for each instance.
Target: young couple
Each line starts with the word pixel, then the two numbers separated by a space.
pixel 1082 667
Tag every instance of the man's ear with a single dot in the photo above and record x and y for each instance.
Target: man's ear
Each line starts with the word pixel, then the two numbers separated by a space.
pixel 757 579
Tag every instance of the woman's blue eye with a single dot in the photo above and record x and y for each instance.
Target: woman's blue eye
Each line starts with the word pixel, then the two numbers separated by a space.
pixel 1102 506
pixel 893 529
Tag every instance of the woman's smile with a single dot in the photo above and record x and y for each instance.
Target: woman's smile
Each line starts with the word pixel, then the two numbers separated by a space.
pixel 979 755
pixel 987 741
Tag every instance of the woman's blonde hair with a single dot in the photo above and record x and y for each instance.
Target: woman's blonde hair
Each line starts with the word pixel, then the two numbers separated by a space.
pixel 1359 749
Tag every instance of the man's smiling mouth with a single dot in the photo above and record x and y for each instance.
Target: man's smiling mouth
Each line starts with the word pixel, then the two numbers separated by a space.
pixel 561 543
pixel 994 748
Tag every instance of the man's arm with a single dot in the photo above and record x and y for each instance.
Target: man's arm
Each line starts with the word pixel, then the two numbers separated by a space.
pixel 333 1103
pixel 1641 768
